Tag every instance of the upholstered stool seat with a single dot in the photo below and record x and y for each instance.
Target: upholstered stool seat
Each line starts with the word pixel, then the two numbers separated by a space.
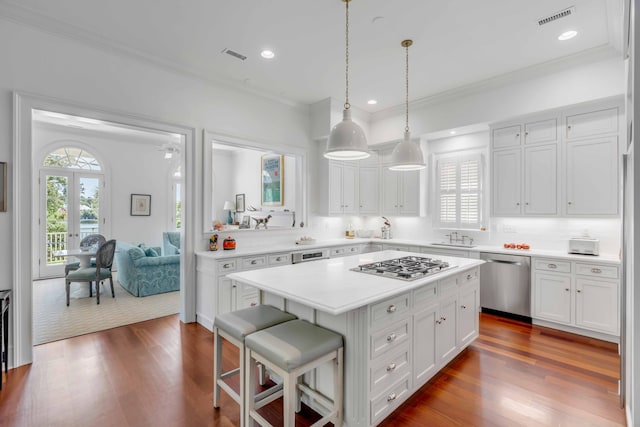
pixel 290 350
pixel 234 327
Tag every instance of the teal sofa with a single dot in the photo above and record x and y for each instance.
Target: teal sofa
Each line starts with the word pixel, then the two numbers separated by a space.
pixel 142 271
pixel 171 243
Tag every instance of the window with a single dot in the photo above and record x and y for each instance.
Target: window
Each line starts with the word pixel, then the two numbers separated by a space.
pixel 71 158
pixel 459 192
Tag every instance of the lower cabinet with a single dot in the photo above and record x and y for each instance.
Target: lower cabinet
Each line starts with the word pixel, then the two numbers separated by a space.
pixel 583 297
pixel 413 335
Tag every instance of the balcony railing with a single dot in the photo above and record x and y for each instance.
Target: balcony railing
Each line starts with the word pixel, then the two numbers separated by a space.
pixel 58 241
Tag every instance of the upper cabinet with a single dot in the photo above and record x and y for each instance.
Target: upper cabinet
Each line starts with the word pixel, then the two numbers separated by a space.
pixel 343 187
pixel 561 163
pixel 400 190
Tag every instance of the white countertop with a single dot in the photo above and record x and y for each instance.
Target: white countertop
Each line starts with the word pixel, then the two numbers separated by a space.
pixel 328 285
pixel 292 247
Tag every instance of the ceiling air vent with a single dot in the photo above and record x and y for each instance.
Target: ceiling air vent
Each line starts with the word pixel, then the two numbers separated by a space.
pixel 562 14
pixel 234 54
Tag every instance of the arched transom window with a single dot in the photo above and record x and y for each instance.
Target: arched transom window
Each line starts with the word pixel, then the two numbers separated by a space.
pixel 72 158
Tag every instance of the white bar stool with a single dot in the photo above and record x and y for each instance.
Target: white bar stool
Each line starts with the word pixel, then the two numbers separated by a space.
pixel 290 350
pixel 234 327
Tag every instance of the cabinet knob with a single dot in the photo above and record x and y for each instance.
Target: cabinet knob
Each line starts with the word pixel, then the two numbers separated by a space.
pixel 439 322
pixel 463 307
pixel 517 203
pixel 443 318
pixel 469 277
pixel 517 135
pixel 392 308
pixel 526 203
pixel 526 134
pixel 569 127
pixel 253 304
pixel 254 262
pixel 579 291
pixel 391 337
pixel 391 367
pixel 569 203
pixel 391 397
pixel 596 270
pixel 567 289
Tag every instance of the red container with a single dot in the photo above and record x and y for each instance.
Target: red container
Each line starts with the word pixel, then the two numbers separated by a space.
pixel 229 243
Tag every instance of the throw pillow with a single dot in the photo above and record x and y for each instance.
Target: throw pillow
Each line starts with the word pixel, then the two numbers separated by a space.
pixel 150 252
pixel 136 253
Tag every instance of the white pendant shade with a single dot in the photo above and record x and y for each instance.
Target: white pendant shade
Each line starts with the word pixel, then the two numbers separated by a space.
pixel 347 141
pixel 407 156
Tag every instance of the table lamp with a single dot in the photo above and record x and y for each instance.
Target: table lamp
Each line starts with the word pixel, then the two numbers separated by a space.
pixel 229 206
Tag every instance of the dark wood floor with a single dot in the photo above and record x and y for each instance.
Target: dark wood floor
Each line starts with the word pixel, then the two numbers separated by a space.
pixel 159 373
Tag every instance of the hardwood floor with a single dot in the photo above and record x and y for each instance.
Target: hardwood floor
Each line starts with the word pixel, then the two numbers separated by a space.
pixel 159 372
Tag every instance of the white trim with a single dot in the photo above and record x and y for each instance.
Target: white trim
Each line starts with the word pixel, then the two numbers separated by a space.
pixel 23 215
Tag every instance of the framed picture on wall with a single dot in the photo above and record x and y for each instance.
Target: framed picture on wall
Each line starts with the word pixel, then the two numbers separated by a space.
pixel 272 180
pixel 141 205
pixel 240 202
pixel 3 186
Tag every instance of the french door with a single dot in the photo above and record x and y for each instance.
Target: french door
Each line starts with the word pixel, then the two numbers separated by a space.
pixel 70 205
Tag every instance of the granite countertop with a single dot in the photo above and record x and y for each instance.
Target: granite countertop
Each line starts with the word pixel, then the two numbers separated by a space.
pixel 293 247
pixel 329 285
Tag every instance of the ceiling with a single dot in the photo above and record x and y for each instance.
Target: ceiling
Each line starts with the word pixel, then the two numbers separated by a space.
pixel 457 43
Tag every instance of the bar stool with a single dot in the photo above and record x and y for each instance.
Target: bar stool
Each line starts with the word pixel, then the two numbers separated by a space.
pixel 234 327
pixel 290 350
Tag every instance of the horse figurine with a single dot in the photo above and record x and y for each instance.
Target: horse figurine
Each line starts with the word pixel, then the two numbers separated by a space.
pixel 261 221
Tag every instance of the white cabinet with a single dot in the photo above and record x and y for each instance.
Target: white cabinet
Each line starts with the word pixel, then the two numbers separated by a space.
pixel 591 123
pixel 341 251
pixel 505 137
pixel 343 188
pixel 446 330
pixel 424 346
pixel 581 296
pixel 400 192
pixel 541 131
pixel 506 175
pixel 369 190
pixel 540 180
pixel 468 321
pixel 592 176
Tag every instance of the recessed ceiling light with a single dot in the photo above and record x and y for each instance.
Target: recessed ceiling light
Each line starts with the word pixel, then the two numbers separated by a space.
pixel 452 132
pixel 567 35
pixel 372 102
pixel 267 54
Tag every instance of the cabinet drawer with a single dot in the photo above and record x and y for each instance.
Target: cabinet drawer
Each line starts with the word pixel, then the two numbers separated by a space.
pixel 552 265
pixel 279 259
pixel 387 402
pixel 424 295
pixel 254 262
pixel 467 276
pixel 344 251
pixel 541 131
pixel 608 271
pixel 447 286
pixel 389 369
pixel 505 137
pixel 389 338
pixel 592 123
pixel 390 310
pixel 227 266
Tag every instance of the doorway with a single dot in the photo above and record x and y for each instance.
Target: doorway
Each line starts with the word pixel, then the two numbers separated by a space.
pixel 70 206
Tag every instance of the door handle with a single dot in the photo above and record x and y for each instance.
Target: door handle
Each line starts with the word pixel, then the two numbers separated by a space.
pixel 505 262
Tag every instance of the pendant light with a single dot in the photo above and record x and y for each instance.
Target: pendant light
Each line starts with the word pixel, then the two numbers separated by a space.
pixel 407 155
pixel 347 140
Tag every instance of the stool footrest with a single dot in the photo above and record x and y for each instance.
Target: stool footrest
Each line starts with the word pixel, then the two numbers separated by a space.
pixel 268 396
pixel 315 395
pixel 231 392
pixel 230 373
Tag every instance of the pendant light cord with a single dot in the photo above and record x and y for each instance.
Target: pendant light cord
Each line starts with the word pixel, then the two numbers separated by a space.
pixel 406 127
pixel 346 103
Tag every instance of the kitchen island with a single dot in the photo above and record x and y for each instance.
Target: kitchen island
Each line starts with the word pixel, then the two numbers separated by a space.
pixel 398 333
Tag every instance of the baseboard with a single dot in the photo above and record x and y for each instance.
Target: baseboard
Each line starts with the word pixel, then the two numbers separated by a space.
pixel 578 331
pixel 204 321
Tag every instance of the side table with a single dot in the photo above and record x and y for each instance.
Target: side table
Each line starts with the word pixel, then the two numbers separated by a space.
pixel 5 299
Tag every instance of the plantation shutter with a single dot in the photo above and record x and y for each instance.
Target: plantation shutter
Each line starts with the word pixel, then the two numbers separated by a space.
pixel 458 192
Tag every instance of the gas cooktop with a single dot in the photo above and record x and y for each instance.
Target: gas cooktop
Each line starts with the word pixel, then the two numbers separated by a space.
pixel 405 268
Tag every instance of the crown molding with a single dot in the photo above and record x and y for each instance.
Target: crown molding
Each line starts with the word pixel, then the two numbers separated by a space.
pixel 596 54
pixel 40 22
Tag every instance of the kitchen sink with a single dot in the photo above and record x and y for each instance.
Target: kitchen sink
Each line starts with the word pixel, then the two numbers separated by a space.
pixel 455 245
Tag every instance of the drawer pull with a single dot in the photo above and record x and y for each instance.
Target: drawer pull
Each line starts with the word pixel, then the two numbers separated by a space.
pixel 392 308
pixel 469 277
pixel 279 258
pixel 391 337
pixel 567 289
pixel 391 367
pixel 596 270
pixel 254 262
pixel 391 397
pixel 253 304
pixel 552 266
pixel 226 266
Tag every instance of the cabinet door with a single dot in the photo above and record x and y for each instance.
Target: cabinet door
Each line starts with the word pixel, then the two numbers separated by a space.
pixel 552 297
pixel 368 190
pixel 468 315
pixel 335 188
pixel 246 296
pixel 540 180
pixel 226 295
pixel 409 196
pixel 505 137
pixel 541 131
pixel 389 191
pixel 350 189
pixel 592 123
pixel 446 341
pixel 592 177
pixel 597 305
pixel 505 182
pixel 424 344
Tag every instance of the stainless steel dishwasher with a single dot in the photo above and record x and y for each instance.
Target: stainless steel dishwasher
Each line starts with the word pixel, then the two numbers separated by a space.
pixel 505 283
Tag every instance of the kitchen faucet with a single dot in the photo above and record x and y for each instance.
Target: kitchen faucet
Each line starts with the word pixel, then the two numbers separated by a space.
pixel 454 238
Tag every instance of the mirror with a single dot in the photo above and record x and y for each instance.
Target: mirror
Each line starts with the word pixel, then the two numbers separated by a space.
pixel 246 182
